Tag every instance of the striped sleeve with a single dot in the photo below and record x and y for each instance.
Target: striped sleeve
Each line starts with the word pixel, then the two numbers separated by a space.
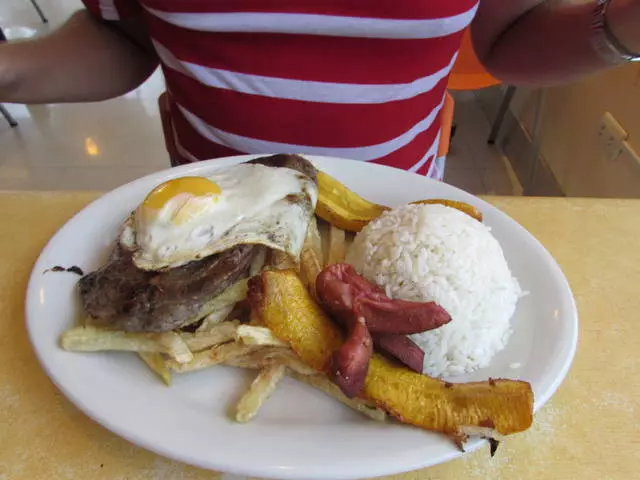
pixel 113 9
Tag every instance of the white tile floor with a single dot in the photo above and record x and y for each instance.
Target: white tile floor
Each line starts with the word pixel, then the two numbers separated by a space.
pixel 102 145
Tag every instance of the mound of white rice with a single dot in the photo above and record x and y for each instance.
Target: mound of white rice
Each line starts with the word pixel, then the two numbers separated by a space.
pixel 436 253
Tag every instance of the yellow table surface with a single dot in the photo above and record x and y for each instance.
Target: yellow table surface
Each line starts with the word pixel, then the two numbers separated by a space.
pixel 589 429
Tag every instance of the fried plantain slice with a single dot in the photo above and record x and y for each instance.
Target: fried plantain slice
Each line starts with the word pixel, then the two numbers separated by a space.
pixel 491 408
pixel 504 406
pixel 470 210
pixel 285 306
pixel 342 207
pixel 348 211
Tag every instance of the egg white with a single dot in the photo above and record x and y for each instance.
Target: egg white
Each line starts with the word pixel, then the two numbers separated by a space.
pixel 258 204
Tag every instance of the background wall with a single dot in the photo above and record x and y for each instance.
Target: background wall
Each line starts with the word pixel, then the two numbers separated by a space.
pixel 570 145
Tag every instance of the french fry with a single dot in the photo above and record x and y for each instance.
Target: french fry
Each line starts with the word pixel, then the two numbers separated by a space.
pixel 292 362
pixel 270 355
pixel 221 306
pixel 215 335
pixel 348 240
pixel 310 268
pixel 325 385
pixel 337 245
pixel 234 294
pixel 282 261
pixel 252 335
pixel 314 239
pixel 259 261
pixel 301 372
pixel 247 361
pixel 311 257
pixel 215 318
pixel 323 229
pixel 156 362
pixel 209 358
pixel 93 339
pixel 259 391
pixel 174 347
pixel 213 310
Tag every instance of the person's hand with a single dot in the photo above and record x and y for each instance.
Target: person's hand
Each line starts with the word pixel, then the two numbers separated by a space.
pixel 85 60
pixel 623 19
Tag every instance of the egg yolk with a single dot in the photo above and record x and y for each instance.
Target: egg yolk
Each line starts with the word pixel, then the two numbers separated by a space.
pixel 194 186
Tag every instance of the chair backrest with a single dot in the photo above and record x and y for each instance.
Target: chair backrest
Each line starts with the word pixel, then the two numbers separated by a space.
pixel 167 128
pixel 446 123
pixel 468 73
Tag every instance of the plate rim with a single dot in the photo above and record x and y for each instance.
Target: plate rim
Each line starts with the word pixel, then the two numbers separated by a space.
pixel 275 472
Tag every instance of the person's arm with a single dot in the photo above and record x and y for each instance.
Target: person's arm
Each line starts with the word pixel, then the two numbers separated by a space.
pixel 537 42
pixel 84 60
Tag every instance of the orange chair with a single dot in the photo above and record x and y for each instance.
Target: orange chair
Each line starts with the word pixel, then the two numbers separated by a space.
pixel 446 133
pixel 469 74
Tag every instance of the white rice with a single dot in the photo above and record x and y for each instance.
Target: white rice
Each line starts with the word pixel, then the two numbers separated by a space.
pixel 436 253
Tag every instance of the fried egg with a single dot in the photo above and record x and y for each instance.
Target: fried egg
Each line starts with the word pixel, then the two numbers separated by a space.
pixel 189 218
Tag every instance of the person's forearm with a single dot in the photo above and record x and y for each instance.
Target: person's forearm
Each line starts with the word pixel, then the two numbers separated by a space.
pixel 552 43
pixel 84 60
pixel 624 21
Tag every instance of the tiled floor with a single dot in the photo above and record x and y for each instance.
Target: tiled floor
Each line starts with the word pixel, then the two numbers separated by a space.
pixel 102 145
pixel 472 164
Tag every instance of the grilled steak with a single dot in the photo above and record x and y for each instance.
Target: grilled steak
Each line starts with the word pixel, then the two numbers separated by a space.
pixel 120 295
pixel 285 160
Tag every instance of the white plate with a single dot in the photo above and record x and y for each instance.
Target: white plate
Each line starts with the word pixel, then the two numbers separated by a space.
pixel 300 433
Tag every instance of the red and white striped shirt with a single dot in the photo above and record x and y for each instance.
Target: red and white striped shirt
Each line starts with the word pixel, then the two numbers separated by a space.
pixel 358 79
